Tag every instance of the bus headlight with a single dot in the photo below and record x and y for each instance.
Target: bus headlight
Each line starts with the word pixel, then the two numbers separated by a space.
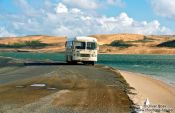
pixel 93 55
pixel 78 54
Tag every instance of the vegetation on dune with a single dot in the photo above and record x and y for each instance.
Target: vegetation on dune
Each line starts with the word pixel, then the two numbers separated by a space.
pixel 119 43
pixel 25 44
pixel 144 40
pixel 167 44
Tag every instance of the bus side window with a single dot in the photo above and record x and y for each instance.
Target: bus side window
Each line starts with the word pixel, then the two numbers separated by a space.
pixel 66 44
pixel 72 46
pixel 69 44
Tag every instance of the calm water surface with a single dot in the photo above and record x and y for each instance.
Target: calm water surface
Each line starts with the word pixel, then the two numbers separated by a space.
pixel 158 66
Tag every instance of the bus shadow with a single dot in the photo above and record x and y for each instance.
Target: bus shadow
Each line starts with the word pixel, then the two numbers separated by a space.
pixel 39 64
pixel 48 63
pixel 43 63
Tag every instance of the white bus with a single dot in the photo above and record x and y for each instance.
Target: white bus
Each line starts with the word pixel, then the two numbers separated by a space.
pixel 81 49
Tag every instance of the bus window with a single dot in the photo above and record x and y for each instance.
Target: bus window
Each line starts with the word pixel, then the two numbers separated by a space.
pixel 66 44
pixel 91 45
pixel 79 45
pixel 69 44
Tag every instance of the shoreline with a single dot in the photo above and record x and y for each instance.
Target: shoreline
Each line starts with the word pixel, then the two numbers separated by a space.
pixel 152 76
pixel 110 53
pixel 133 54
pixel 157 91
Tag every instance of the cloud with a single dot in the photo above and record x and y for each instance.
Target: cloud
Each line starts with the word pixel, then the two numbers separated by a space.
pixel 59 19
pixel 5 33
pixel 125 24
pixel 81 24
pixel 119 3
pixel 61 8
pixel 75 10
pixel 93 4
pixel 83 4
pixel 164 8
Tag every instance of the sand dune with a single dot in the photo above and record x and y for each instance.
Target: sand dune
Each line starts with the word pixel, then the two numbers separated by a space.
pixel 57 43
pixel 107 39
pixel 141 44
pixel 42 38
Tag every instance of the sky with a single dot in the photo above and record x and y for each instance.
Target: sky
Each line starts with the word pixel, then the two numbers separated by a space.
pixel 86 17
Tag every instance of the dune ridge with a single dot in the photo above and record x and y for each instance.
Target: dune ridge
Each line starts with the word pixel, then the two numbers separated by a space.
pixel 141 44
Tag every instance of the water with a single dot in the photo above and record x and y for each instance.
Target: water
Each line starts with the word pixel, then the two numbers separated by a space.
pixel 158 66
pixel 34 56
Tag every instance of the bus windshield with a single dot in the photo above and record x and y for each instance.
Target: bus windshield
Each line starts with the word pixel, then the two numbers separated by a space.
pixel 79 45
pixel 83 45
pixel 91 45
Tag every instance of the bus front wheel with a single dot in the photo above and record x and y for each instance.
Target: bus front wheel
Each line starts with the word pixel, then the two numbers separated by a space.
pixel 92 63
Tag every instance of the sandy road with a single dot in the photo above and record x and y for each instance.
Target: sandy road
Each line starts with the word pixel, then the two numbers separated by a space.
pixel 68 89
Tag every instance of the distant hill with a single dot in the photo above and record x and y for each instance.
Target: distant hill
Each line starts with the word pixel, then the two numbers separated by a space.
pixel 167 44
pixel 107 39
pixel 109 44
pixel 134 44
pixel 42 38
pixel 46 43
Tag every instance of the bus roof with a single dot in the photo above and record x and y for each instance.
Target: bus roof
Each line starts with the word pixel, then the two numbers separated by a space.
pixel 83 39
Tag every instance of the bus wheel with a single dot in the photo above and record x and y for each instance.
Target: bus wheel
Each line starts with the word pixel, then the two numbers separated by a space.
pixel 67 60
pixel 93 63
pixel 85 63
pixel 74 62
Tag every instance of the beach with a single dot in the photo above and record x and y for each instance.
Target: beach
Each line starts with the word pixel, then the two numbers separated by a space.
pixel 157 92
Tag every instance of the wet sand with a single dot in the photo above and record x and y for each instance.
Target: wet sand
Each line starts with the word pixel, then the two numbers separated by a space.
pixel 158 92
